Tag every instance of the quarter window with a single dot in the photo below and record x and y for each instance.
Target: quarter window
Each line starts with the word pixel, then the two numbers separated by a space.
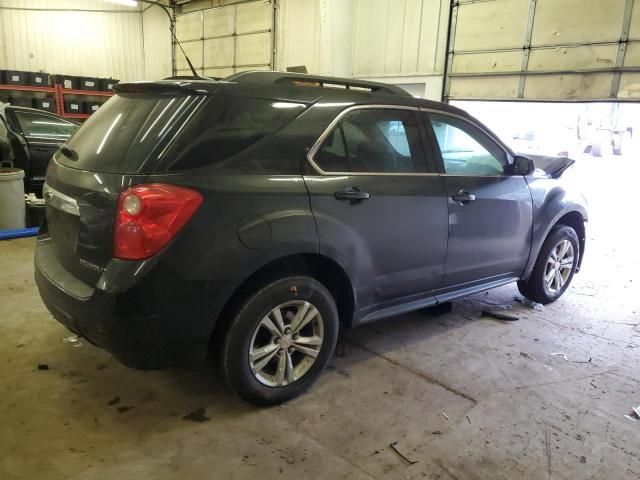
pixel 373 141
pixel 465 149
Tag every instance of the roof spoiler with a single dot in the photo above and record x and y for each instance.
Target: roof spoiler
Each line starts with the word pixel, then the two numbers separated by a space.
pixel 304 80
pixel 164 86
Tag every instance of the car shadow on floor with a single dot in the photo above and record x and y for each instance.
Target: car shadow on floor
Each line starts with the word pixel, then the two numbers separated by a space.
pixel 201 395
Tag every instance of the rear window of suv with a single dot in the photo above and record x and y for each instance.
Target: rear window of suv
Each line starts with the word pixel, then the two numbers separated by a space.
pixel 137 133
pixel 125 133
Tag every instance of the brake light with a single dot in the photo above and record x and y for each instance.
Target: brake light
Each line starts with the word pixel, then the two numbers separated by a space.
pixel 148 216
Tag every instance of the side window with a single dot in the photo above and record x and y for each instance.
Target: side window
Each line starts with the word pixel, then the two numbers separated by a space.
pixel 44 126
pixel 225 127
pixel 465 149
pixel 373 141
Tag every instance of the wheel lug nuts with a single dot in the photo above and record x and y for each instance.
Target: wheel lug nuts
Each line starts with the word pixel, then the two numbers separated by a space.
pixel 291 350
pixel 277 341
pixel 287 331
pixel 296 336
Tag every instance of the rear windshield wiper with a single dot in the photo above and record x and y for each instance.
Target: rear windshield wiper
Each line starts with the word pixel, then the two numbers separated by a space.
pixel 69 152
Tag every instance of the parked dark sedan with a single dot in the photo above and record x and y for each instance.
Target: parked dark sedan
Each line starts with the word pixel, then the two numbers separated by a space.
pixel 256 216
pixel 28 140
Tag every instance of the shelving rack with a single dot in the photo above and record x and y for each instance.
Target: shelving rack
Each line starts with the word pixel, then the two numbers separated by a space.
pixel 58 95
pixel 61 92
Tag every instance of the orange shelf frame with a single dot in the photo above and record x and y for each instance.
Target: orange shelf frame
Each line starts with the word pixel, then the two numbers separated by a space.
pixel 27 88
pixel 59 93
pixel 93 93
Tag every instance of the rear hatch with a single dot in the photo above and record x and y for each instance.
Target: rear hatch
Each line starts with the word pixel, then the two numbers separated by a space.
pixel 150 132
pixel 117 147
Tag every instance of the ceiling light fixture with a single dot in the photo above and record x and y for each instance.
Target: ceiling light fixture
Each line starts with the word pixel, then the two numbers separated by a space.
pixel 126 3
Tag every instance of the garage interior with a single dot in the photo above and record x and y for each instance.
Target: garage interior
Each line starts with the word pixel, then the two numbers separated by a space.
pixel 454 395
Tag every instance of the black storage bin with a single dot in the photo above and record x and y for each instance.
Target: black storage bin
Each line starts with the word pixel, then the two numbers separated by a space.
pixel 14 77
pixel 106 84
pixel 48 104
pixel 90 106
pixel 68 82
pixel 89 83
pixel 39 79
pixel 21 101
pixel 72 106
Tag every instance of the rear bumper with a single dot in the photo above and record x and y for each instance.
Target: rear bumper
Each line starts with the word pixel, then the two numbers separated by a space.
pixel 143 340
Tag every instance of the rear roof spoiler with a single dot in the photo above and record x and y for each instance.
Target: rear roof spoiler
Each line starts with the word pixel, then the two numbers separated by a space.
pixel 306 80
pixel 183 86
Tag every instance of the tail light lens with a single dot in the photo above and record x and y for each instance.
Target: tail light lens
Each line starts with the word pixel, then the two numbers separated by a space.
pixel 148 216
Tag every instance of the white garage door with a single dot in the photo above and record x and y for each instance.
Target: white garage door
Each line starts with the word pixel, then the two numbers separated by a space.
pixel 225 40
pixel 544 50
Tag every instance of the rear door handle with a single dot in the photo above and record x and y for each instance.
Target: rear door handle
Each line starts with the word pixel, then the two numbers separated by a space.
pixel 352 195
pixel 463 197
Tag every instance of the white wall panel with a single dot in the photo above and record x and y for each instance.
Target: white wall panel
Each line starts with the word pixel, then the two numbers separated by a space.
pixel 634 31
pixel 81 37
pixel 487 62
pixel 194 52
pixel 219 52
pixel 253 17
pixel 573 58
pixel 218 72
pixel 157 44
pixel 189 26
pixel 485 88
pixel 632 58
pixel 399 37
pixel 219 21
pixel 629 86
pixel 491 25
pixel 298 35
pixel 253 49
pixel 568 87
pixel 577 21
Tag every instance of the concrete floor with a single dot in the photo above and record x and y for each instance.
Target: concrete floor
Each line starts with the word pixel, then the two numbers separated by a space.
pixel 464 397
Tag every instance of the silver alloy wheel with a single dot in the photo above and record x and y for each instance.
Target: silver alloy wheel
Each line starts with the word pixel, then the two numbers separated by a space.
pixel 559 266
pixel 286 343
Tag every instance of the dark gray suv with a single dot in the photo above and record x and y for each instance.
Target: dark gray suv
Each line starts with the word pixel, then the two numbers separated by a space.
pixel 256 216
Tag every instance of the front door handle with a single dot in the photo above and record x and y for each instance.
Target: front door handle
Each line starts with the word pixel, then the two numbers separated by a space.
pixel 463 197
pixel 352 195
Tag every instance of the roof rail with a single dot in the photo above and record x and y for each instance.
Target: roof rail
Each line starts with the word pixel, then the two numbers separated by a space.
pixel 305 80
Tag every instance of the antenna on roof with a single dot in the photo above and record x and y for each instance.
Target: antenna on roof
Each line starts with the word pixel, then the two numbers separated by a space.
pixel 173 34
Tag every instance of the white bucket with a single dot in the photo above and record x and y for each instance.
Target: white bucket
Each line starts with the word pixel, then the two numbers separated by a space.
pixel 12 209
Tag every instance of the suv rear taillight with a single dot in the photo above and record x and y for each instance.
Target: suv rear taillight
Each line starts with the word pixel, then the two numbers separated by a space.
pixel 148 216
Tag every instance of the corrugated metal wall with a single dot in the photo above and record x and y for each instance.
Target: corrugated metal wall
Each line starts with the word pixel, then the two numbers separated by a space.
pixel 157 43
pixel 61 36
pixel 545 50
pixel 400 37
pixel 299 38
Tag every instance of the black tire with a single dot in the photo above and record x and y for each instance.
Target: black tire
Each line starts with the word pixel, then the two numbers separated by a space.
pixel 534 287
pixel 237 342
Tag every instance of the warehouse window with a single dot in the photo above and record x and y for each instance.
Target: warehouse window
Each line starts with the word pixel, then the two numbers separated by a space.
pixel 375 141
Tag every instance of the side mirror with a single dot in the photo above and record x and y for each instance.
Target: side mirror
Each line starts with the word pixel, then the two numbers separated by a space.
pixel 521 166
